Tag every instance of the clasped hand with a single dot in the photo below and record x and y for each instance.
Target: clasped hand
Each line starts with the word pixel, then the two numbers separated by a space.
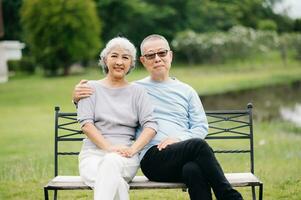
pixel 123 150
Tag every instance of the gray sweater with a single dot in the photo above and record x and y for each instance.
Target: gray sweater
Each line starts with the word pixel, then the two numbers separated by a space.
pixel 116 112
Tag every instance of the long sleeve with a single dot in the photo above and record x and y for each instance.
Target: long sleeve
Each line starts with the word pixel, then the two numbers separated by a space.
pixel 145 112
pixel 198 125
pixel 86 110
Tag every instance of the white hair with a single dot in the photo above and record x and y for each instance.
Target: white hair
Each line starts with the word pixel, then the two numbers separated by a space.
pixel 153 37
pixel 118 42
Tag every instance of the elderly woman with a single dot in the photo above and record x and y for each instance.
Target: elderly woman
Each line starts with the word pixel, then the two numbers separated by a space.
pixel 109 118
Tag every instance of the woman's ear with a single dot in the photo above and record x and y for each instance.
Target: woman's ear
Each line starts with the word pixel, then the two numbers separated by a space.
pixel 171 54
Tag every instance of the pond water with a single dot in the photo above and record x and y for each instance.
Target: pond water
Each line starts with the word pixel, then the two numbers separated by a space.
pixel 272 102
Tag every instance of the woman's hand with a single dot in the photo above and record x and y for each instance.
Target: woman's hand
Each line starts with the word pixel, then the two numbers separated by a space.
pixel 116 148
pixel 127 152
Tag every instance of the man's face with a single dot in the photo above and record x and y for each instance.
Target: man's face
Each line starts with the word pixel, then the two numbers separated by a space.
pixel 157 59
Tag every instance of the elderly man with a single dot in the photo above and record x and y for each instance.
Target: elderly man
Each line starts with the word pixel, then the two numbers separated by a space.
pixel 178 153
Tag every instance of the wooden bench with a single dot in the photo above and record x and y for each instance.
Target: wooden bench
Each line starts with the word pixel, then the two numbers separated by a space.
pixel 224 126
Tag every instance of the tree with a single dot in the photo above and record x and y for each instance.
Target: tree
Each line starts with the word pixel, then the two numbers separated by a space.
pixel 297 25
pixel 212 15
pixel 11 19
pixel 133 19
pixel 260 13
pixel 60 32
pixel 267 25
pixel 1 21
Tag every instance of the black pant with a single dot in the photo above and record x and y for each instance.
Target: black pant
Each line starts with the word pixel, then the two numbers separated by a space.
pixel 192 162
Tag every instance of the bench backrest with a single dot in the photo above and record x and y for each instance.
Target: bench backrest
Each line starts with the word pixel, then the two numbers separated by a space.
pixel 224 126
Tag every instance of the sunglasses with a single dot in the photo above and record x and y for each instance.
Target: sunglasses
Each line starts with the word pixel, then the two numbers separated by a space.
pixel 151 56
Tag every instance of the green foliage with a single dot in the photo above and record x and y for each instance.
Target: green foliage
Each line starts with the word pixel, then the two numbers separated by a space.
pixel 297 25
pixel 11 19
pixel 253 11
pixel 284 23
pixel 26 64
pixel 136 19
pixel 60 32
pixel 212 15
pixel 267 25
pixel 297 46
pixel 217 47
pixel 237 43
pixel 123 18
pixel 13 65
pixel 290 42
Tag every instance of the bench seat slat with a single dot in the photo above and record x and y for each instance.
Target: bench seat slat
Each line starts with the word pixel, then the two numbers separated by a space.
pixel 67 183
pixel 242 179
pixel 141 182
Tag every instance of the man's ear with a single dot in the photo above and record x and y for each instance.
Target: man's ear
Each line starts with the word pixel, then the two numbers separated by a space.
pixel 142 59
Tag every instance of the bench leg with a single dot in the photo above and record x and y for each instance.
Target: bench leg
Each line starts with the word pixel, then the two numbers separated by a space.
pixel 253 193
pixel 55 195
pixel 260 191
pixel 46 197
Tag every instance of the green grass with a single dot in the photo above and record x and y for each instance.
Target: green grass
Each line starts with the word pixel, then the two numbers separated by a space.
pixel 26 144
pixel 239 76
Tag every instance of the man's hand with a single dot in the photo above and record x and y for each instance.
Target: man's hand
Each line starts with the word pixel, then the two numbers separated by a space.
pixel 168 141
pixel 81 90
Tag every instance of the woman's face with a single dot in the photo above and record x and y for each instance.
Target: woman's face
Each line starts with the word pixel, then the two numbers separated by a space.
pixel 118 62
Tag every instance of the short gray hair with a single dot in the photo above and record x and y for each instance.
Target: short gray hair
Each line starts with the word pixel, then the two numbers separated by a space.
pixel 153 37
pixel 121 42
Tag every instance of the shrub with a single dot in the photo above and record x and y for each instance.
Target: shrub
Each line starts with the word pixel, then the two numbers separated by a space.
pixel 26 64
pixel 290 42
pixel 297 25
pixel 267 24
pixel 297 46
pixel 60 32
pixel 217 47
pixel 13 65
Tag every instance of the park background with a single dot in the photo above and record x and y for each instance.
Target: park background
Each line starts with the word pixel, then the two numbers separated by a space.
pixel 231 52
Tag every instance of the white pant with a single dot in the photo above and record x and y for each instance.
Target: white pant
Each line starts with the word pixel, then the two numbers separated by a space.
pixel 107 173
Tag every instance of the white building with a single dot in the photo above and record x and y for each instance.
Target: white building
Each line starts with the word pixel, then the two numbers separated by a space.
pixel 9 50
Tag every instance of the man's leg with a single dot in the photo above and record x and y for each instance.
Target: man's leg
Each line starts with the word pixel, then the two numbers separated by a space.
pixel 193 177
pixel 167 165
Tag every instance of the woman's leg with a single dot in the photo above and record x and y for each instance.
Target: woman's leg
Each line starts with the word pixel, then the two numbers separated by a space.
pixel 110 175
pixel 89 159
pixel 129 171
pixel 113 174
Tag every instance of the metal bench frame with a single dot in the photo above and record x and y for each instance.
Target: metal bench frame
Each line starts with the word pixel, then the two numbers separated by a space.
pixel 245 179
